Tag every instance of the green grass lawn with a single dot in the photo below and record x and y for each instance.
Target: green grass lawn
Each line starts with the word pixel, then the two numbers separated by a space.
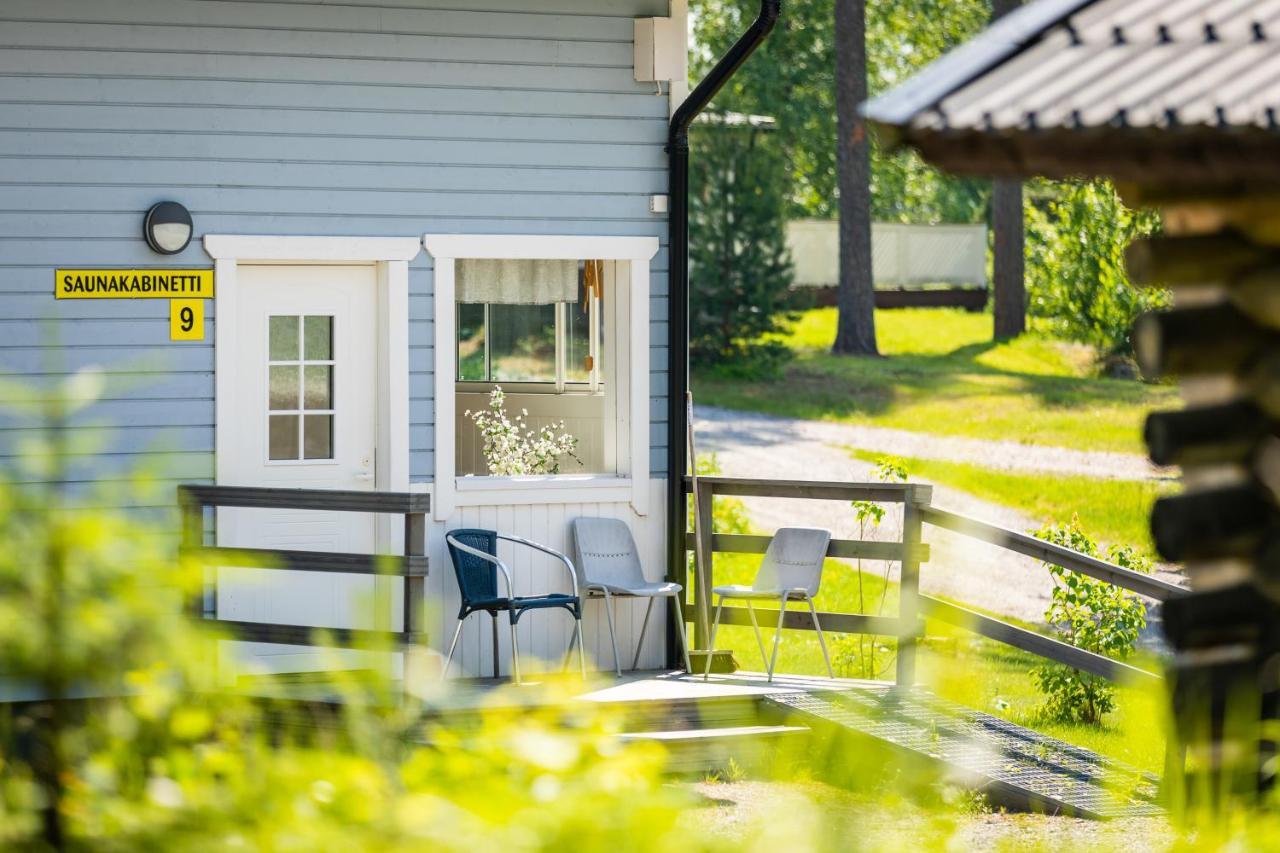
pixel 965 668
pixel 944 375
pixel 1113 512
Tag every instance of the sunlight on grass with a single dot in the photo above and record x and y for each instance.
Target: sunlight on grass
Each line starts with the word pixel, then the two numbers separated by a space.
pixel 1115 512
pixel 943 375
pixel 957 665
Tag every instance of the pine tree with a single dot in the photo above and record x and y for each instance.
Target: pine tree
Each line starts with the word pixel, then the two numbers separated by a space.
pixel 740 268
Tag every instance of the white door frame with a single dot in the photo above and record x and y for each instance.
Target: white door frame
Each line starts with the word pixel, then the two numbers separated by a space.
pixel 391 256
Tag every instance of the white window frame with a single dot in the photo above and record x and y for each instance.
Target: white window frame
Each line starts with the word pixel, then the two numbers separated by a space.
pixel 631 328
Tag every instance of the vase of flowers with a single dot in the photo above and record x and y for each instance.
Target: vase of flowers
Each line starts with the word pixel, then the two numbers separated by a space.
pixel 513 448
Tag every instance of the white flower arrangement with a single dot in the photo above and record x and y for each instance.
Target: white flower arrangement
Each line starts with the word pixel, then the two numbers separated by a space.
pixel 511 448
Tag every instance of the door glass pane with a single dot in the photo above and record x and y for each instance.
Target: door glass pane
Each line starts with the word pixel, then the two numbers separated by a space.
pixel 522 346
pixel 283 343
pixel 284 387
pixel 283 439
pixel 318 338
pixel 318 386
pixel 471 343
pixel 317 442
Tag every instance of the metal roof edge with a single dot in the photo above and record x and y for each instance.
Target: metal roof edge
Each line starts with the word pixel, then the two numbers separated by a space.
pixel 1004 38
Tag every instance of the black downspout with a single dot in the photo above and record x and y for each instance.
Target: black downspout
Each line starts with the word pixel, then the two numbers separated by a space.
pixel 678 298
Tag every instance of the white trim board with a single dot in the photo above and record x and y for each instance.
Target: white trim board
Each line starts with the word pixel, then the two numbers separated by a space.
pixel 391 256
pixel 633 423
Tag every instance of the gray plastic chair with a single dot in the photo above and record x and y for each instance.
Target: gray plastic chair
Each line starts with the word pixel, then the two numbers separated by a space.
pixel 791 571
pixel 609 567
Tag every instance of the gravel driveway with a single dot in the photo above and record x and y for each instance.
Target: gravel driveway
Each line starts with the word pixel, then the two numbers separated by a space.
pixel 960 569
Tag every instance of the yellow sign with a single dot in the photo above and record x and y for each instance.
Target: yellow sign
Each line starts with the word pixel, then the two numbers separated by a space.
pixel 186 319
pixel 133 284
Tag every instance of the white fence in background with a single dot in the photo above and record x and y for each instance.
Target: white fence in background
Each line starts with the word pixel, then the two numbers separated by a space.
pixel 900 254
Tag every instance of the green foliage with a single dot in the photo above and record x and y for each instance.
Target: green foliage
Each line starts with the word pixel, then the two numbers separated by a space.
pixel 792 78
pixel 131 742
pixel 857 654
pixel 1092 615
pixel 740 267
pixel 1076 279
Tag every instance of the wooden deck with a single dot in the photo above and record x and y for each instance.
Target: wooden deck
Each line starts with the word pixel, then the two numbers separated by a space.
pixel 837 727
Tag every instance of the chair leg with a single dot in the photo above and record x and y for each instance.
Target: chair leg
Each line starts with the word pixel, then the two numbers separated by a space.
pixel 777 635
pixel 494 616
pixel 613 638
pixel 711 642
pixel 681 629
pixel 515 647
pixel 568 653
pixel 444 673
pixel 813 612
pixel 582 652
pixel 751 611
pixel 644 626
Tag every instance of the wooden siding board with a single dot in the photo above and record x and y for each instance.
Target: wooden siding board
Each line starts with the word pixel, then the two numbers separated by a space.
pixel 429 19
pixel 367 118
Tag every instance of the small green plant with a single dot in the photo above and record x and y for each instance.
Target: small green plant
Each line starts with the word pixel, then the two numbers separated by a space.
pixel 870 515
pixel 512 448
pixel 1092 615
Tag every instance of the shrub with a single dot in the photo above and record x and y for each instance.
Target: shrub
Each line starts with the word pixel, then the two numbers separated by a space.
pixel 856 655
pixel 1076 236
pixel 132 743
pixel 1092 615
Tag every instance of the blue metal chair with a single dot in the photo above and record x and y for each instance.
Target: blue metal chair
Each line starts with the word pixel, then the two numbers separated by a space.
pixel 475 563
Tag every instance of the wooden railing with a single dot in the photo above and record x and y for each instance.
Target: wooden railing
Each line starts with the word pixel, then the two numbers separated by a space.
pixel 412 567
pixel 911 552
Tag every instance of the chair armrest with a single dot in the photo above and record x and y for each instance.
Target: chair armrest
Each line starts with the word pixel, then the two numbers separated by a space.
pixel 568 564
pixel 476 552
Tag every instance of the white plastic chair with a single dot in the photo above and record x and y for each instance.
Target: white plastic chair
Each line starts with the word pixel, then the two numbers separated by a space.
pixel 609 567
pixel 791 571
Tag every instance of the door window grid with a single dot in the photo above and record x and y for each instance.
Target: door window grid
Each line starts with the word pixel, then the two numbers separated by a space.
pixel 300 388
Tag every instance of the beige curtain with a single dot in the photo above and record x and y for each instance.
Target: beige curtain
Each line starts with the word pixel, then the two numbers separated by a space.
pixel 516 282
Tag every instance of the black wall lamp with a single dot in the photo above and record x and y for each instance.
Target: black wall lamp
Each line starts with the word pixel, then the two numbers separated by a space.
pixel 167 228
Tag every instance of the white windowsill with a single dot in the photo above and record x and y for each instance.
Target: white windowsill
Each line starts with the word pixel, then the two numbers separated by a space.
pixel 542 489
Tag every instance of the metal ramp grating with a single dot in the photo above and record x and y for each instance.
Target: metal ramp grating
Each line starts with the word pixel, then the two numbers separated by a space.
pixel 1015 765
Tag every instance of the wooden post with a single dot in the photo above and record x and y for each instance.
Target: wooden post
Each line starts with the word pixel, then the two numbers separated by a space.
pixel 909 586
pixel 192 538
pixel 415 545
pixel 703 532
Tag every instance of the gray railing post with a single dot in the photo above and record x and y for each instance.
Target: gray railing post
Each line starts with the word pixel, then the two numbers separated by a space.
pixel 703 507
pixel 415 545
pixel 192 538
pixel 909 585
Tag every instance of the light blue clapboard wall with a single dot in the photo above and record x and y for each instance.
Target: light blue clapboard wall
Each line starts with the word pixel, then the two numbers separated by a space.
pixel 291 117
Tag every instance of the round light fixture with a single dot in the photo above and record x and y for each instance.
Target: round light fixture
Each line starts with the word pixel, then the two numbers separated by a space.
pixel 167 228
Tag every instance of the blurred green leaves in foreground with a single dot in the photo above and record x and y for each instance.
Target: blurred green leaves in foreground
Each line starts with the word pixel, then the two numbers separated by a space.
pixel 116 734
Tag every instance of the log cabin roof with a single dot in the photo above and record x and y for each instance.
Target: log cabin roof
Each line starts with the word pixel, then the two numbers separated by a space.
pixel 1183 93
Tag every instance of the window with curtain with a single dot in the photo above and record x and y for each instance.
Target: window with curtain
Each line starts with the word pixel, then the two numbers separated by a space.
pixel 537 329
pixel 537 322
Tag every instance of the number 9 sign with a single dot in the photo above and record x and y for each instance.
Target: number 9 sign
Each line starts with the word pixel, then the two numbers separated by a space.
pixel 186 319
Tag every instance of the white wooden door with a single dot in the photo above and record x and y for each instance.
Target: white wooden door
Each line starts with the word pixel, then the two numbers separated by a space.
pixel 305 404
